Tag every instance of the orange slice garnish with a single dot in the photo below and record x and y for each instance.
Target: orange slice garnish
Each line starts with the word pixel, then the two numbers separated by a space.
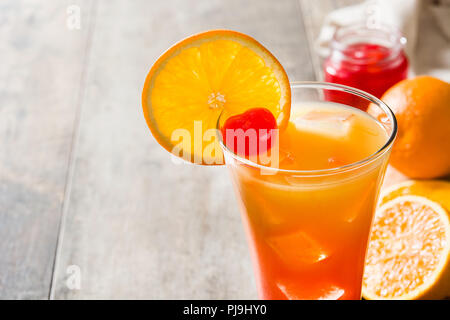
pixel 197 79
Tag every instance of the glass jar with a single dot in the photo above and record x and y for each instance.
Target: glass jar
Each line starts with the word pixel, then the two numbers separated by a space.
pixel 368 58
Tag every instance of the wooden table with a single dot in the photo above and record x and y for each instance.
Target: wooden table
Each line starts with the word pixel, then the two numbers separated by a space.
pixel 84 189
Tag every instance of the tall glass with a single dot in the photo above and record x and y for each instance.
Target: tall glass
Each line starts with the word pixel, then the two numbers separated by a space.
pixel 308 229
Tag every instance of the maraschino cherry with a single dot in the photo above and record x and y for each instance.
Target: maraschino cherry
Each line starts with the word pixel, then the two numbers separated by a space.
pixel 250 133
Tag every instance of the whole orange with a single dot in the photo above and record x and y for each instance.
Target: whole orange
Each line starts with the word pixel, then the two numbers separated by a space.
pixel 422 108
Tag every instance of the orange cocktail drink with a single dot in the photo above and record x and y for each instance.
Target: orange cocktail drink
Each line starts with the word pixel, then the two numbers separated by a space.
pixel 308 219
pixel 308 196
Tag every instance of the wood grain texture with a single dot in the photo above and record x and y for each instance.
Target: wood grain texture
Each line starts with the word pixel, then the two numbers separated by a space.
pixel 42 63
pixel 137 225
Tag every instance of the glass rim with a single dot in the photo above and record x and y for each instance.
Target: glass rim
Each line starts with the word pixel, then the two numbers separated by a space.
pixel 329 171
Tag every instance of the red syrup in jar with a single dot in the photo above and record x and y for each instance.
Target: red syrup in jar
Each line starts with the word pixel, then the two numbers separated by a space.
pixel 365 65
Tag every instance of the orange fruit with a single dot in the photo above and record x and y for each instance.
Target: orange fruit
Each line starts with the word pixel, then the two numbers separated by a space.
pixel 435 190
pixel 197 79
pixel 409 251
pixel 422 108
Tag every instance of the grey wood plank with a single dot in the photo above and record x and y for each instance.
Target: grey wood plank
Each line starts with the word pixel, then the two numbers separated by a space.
pixel 42 63
pixel 137 225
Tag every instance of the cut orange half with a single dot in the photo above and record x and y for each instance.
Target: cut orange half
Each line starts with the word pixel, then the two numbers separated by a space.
pixel 197 79
pixel 435 190
pixel 408 255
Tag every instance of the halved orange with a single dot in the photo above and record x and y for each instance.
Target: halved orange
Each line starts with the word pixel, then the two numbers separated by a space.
pixel 197 79
pixel 409 251
pixel 435 190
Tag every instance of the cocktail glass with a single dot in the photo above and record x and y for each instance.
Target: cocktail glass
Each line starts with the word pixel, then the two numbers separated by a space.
pixel 308 229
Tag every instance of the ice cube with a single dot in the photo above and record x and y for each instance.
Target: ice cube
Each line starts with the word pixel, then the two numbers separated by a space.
pixel 331 124
pixel 288 291
pixel 332 293
pixel 297 249
pixel 262 214
pixel 321 291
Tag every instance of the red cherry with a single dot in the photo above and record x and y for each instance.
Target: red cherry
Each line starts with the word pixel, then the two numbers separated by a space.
pixel 249 133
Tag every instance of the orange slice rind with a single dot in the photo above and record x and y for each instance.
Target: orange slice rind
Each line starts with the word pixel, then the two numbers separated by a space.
pixel 206 75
